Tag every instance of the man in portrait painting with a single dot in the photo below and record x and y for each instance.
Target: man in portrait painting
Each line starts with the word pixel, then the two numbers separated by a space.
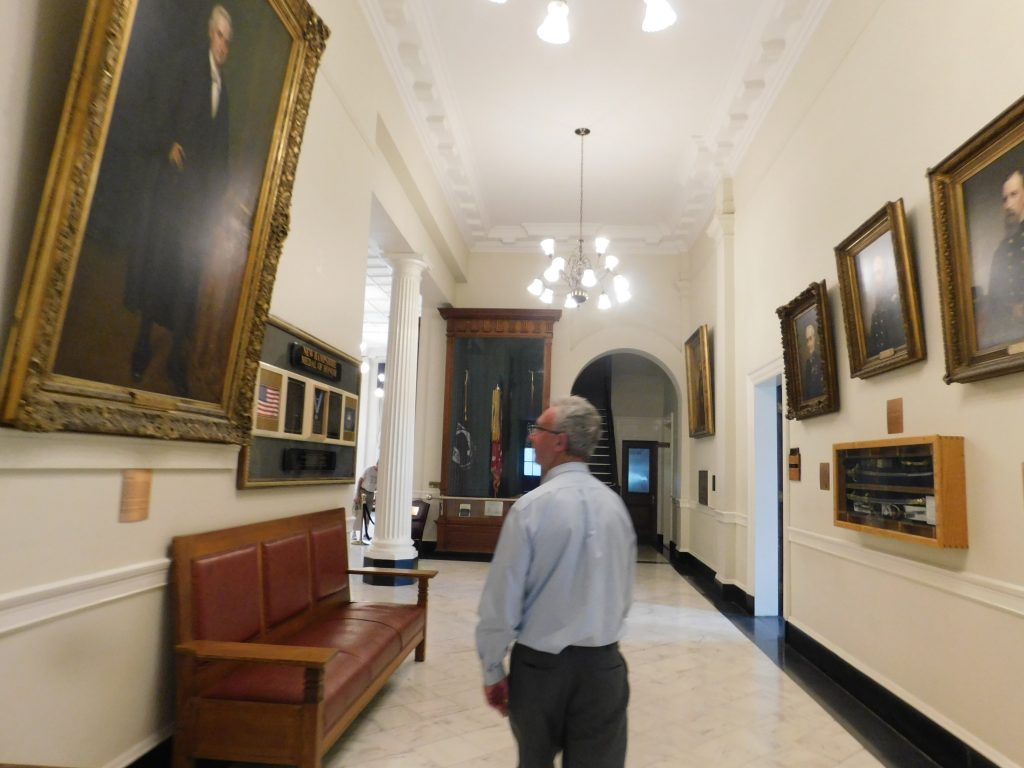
pixel 163 280
pixel 1002 320
pixel 885 320
pixel 812 375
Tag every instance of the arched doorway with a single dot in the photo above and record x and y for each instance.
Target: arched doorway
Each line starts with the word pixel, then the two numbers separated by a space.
pixel 637 457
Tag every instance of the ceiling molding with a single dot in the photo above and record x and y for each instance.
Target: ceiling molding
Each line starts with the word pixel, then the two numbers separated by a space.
pixel 404 35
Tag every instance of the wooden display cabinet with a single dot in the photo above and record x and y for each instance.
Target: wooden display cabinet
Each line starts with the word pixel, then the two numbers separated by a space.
pixel 909 488
pixel 496 383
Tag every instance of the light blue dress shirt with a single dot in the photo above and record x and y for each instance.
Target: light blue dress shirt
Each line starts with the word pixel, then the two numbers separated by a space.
pixel 562 573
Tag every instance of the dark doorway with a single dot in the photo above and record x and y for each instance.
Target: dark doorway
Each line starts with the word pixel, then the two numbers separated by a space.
pixel 640 487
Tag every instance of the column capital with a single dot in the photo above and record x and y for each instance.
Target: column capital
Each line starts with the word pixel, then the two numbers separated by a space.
pixel 411 264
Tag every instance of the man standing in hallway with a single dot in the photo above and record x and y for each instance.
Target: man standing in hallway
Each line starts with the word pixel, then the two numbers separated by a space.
pixel 559 587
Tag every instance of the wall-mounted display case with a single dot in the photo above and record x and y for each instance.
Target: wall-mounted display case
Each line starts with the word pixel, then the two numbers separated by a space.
pixel 909 488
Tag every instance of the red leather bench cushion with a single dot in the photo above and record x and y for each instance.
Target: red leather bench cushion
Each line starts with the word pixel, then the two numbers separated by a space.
pixel 330 561
pixel 225 595
pixel 375 645
pixel 345 679
pixel 406 620
pixel 286 577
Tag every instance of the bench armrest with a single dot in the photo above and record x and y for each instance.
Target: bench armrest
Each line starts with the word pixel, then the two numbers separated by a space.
pixel 417 573
pixel 287 655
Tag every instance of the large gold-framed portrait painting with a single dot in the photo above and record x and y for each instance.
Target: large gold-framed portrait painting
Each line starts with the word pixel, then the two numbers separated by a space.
pixel 978 215
pixel 163 216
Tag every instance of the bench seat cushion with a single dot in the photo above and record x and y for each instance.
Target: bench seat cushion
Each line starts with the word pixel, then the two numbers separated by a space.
pixel 346 677
pixel 406 620
pixel 375 645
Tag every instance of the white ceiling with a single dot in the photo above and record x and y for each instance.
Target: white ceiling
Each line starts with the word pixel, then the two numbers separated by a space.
pixel 670 112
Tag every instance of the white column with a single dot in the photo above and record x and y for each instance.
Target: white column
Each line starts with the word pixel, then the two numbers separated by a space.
pixel 392 533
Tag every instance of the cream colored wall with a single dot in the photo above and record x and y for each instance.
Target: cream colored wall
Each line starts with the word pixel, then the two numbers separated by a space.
pixel 85 619
pixel 886 90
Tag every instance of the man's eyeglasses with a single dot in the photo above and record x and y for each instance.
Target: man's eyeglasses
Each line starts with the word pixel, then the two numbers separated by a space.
pixel 531 428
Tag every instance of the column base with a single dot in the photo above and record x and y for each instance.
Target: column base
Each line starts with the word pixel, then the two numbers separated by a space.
pixel 389 581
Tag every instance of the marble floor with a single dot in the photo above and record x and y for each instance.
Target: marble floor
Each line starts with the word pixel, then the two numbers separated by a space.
pixel 702 693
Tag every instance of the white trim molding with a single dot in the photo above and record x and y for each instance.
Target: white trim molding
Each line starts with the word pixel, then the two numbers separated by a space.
pixel 133 753
pixel 721 516
pixel 49 601
pixel 992 593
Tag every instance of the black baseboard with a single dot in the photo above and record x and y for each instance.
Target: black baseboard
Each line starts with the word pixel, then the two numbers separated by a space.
pixel 476 557
pixel 659 543
pixel 704 578
pixel 924 733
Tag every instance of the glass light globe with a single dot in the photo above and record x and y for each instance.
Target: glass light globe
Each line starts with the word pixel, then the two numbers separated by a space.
pixel 555 29
pixel 589 279
pixel 535 287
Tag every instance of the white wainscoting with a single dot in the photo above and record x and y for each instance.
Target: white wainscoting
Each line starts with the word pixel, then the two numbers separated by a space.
pixel 991 593
pixel 42 603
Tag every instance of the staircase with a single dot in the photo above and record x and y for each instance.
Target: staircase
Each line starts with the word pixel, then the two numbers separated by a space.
pixel 602 463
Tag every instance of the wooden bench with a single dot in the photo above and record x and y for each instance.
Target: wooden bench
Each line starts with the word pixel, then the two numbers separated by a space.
pixel 274 660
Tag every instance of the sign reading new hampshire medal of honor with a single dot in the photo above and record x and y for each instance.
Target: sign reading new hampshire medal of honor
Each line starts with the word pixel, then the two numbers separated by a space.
pixel 305 356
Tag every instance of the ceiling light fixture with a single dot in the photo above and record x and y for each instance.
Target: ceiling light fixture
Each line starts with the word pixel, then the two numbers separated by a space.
pixel 555 29
pixel 575 275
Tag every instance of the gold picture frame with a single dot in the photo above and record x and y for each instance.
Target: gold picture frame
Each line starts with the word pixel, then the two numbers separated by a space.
pixel 808 356
pixel 700 395
pixel 977 196
pixel 878 290
pixel 164 212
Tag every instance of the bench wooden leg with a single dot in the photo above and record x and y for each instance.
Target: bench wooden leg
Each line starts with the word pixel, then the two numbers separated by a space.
pixel 421 650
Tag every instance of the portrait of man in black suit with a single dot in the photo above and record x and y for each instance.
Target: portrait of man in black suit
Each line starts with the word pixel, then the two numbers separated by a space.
pixel 161 272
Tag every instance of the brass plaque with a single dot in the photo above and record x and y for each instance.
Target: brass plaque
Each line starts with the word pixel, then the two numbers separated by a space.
pixel 824 475
pixel 894 415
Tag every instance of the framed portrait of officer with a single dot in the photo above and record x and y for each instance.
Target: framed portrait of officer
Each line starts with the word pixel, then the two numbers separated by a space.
pixel 977 196
pixel 148 282
pixel 878 289
pixel 808 355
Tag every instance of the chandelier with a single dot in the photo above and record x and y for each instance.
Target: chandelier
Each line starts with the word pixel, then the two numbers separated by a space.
pixel 575 276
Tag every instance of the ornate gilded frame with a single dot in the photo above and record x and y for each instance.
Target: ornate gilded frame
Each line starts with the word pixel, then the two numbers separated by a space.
pixel 968 218
pixel 700 394
pixel 809 308
pixel 32 395
pixel 878 341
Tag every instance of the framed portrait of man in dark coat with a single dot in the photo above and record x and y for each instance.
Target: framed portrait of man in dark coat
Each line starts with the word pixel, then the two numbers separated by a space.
pixel 177 151
pixel 878 288
pixel 978 215
pixel 808 355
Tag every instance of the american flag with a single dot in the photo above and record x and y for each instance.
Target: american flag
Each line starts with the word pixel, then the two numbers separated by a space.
pixel 268 401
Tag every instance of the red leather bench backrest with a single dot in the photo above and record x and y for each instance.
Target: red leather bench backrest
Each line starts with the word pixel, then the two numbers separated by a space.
pixel 225 595
pixel 286 578
pixel 330 562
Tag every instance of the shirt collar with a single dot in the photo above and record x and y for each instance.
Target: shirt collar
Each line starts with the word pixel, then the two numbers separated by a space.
pixel 569 466
pixel 214 69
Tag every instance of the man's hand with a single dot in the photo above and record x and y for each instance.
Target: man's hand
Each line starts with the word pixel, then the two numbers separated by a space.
pixel 177 156
pixel 497 696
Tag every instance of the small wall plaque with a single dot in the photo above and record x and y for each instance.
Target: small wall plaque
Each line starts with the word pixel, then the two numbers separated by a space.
pixel 135 486
pixel 702 487
pixel 894 415
pixel 824 476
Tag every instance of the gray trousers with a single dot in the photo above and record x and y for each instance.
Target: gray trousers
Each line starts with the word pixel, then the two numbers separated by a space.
pixel 572 702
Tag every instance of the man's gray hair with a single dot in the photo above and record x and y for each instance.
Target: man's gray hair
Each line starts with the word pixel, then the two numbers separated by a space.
pixel 218 10
pixel 580 422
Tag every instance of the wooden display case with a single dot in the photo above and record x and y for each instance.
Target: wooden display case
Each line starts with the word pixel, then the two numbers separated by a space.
pixel 497 382
pixel 909 488
pixel 468 524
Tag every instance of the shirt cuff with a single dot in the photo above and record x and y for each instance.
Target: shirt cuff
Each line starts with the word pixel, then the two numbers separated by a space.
pixel 494 674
